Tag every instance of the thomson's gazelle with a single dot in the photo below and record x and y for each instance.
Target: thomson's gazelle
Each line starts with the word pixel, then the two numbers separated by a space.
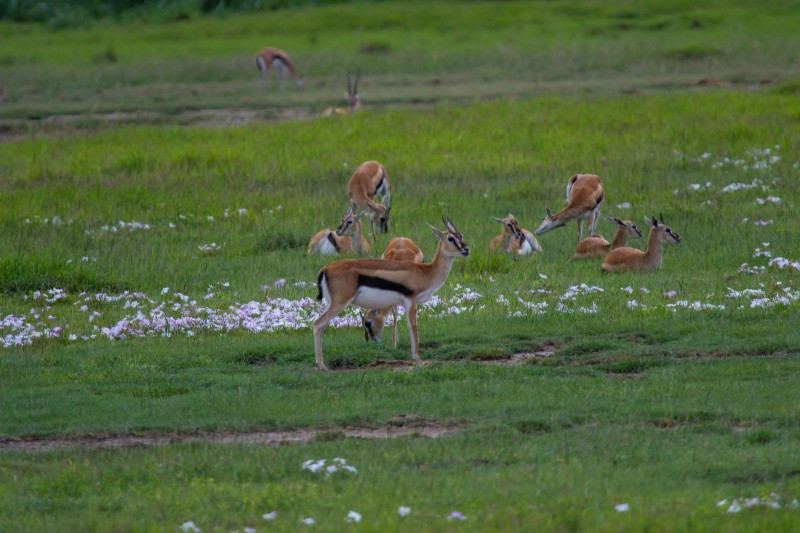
pixel 514 240
pixel 596 247
pixel 368 181
pixel 374 320
pixel 353 99
pixel 347 238
pixel 632 260
pixel 381 283
pixel 584 196
pixel 275 57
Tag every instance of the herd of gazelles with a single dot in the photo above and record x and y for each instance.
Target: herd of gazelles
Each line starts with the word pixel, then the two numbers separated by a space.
pixel 400 277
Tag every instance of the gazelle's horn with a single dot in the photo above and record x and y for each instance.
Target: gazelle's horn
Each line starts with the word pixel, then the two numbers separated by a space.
pixel 358 78
pixel 661 217
pixel 452 227
pixel 349 92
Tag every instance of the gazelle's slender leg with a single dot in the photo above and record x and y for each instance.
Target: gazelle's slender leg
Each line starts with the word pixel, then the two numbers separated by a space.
pixel 411 319
pixel 594 219
pixel 580 232
pixel 319 326
pixel 394 327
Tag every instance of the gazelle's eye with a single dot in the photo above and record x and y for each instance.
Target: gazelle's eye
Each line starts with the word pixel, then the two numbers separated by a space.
pixel 451 239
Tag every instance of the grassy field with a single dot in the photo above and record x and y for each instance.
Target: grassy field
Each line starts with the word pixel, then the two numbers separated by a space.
pixel 155 287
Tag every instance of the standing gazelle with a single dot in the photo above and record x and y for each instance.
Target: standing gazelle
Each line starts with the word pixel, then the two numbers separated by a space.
pixel 381 283
pixel 347 238
pixel 627 259
pixel 353 99
pixel 368 181
pixel 374 320
pixel 584 196
pixel 275 57
pixel 596 247
pixel 513 239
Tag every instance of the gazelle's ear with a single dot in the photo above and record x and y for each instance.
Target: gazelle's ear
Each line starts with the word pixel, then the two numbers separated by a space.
pixel 385 202
pixel 648 221
pixel 510 215
pixel 500 220
pixel 437 232
pixel 617 221
pixel 361 215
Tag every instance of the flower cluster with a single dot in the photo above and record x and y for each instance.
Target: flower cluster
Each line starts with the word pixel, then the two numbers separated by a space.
pixel 337 466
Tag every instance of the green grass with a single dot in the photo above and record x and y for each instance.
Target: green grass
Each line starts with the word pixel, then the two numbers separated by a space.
pixel 412 54
pixel 667 408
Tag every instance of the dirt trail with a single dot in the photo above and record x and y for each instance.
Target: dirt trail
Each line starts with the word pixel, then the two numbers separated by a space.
pixel 268 438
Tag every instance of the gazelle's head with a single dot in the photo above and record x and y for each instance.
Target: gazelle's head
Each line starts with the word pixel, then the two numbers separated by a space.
pixel 452 241
pixel 662 232
pixel 353 96
pixel 632 231
pixel 379 214
pixel 374 320
pixel 549 222
pixel 510 225
pixel 350 225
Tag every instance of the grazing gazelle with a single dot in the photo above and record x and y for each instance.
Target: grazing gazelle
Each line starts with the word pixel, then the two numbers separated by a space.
pixel 346 239
pixel 627 259
pixel 381 283
pixel 597 247
pixel 275 57
pixel 584 196
pixel 353 99
pixel 514 240
pixel 369 180
pixel 374 320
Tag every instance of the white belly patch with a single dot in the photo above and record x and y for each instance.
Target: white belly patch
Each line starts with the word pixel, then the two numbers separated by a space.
pixel 369 297
pixel 326 247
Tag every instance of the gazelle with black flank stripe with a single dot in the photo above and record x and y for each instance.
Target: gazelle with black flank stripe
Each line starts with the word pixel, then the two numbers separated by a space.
pixel 596 247
pixel 627 259
pixel 513 239
pixel 353 99
pixel 368 181
pixel 374 320
pixel 585 195
pixel 382 283
pixel 346 239
pixel 275 57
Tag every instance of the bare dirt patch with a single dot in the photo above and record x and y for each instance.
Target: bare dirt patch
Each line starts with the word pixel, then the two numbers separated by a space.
pixel 545 351
pixel 266 438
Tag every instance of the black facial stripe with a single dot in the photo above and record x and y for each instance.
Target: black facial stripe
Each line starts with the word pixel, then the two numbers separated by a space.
pixel 384 284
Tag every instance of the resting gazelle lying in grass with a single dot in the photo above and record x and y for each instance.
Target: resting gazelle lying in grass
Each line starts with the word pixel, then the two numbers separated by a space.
pixel 381 283
pixel 369 180
pixel 585 195
pixel 346 239
pixel 513 239
pixel 374 320
pixel 353 99
pixel 597 247
pixel 627 259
